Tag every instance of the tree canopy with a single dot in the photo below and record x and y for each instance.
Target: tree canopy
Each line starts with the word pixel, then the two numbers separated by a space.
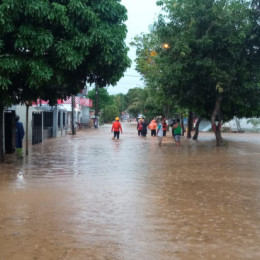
pixel 50 49
pixel 212 64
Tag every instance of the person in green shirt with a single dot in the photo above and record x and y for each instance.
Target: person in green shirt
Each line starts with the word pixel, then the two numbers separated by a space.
pixel 177 132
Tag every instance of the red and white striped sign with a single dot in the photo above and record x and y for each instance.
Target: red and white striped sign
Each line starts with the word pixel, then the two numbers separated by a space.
pixel 86 102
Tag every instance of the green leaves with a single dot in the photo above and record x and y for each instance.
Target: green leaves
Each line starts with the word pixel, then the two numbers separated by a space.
pixel 212 53
pixel 36 9
pixel 39 73
pixel 34 40
pixel 159 3
pixel 69 58
pixel 54 47
pixel 10 63
pixel 111 11
pixel 4 82
pixel 58 15
pixel 6 24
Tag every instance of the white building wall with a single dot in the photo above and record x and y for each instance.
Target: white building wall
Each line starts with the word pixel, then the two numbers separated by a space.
pixel 20 110
pixel 84 115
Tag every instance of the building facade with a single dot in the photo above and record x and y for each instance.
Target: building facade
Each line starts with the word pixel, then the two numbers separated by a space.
pixel 45 121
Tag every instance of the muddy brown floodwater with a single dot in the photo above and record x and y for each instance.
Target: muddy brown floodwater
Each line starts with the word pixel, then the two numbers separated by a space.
pixel 91 197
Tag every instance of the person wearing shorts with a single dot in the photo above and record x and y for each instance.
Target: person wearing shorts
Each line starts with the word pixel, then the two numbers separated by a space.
pixel 177 132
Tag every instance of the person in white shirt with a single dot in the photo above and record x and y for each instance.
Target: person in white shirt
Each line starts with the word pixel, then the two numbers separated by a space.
pixel 160 132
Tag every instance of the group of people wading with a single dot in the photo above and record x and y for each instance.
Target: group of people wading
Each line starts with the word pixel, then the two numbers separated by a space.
pixel 157 128
pixel 142 126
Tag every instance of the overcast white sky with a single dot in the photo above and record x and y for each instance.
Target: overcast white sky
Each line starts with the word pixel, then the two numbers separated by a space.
pixel 141 14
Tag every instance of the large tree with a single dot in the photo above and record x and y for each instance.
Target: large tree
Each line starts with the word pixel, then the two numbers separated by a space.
pixel 211 65
pixel 50 49
pixel 149 50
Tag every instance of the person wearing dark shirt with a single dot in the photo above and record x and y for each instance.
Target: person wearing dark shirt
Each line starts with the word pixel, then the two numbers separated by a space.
pixel 144 128
pixel 164 125
pixel 139 127
pixel 19 136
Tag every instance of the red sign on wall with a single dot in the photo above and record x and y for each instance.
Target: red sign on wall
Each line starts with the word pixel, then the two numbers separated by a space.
pixel 78 101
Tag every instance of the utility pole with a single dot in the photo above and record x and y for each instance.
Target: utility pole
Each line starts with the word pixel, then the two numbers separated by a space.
pixel 2 142
pixel 122 102
pixel 96 106
pixel 73 131
pixel 27 128
pixel 122 106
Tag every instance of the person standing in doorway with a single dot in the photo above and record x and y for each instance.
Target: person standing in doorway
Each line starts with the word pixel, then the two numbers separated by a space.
pixel 160 132
pixel 19 136
pixel 177 132
pixel 116 127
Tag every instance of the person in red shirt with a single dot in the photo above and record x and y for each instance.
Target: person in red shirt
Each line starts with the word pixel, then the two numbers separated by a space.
pixel 139 127
pixel 164 125
pixel 116 127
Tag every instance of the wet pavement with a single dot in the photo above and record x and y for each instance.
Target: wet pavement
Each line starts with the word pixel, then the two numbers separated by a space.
pixel 91 197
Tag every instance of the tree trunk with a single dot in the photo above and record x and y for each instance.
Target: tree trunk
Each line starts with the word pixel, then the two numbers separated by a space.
pixel 26 129
pixel 2 150
pixel 73 131
pixel 219 138
pixel 217 128
pixel 182 126
pixel 196 134
pixel 190 124
pixel 96 107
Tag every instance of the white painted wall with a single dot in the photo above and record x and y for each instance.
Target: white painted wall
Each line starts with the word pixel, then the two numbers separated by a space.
pixel 20 110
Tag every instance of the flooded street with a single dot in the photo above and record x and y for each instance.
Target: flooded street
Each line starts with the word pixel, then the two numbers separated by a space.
pixel 91 197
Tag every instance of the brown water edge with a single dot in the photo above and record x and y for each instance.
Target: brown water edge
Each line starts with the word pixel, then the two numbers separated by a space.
pixel 89 197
